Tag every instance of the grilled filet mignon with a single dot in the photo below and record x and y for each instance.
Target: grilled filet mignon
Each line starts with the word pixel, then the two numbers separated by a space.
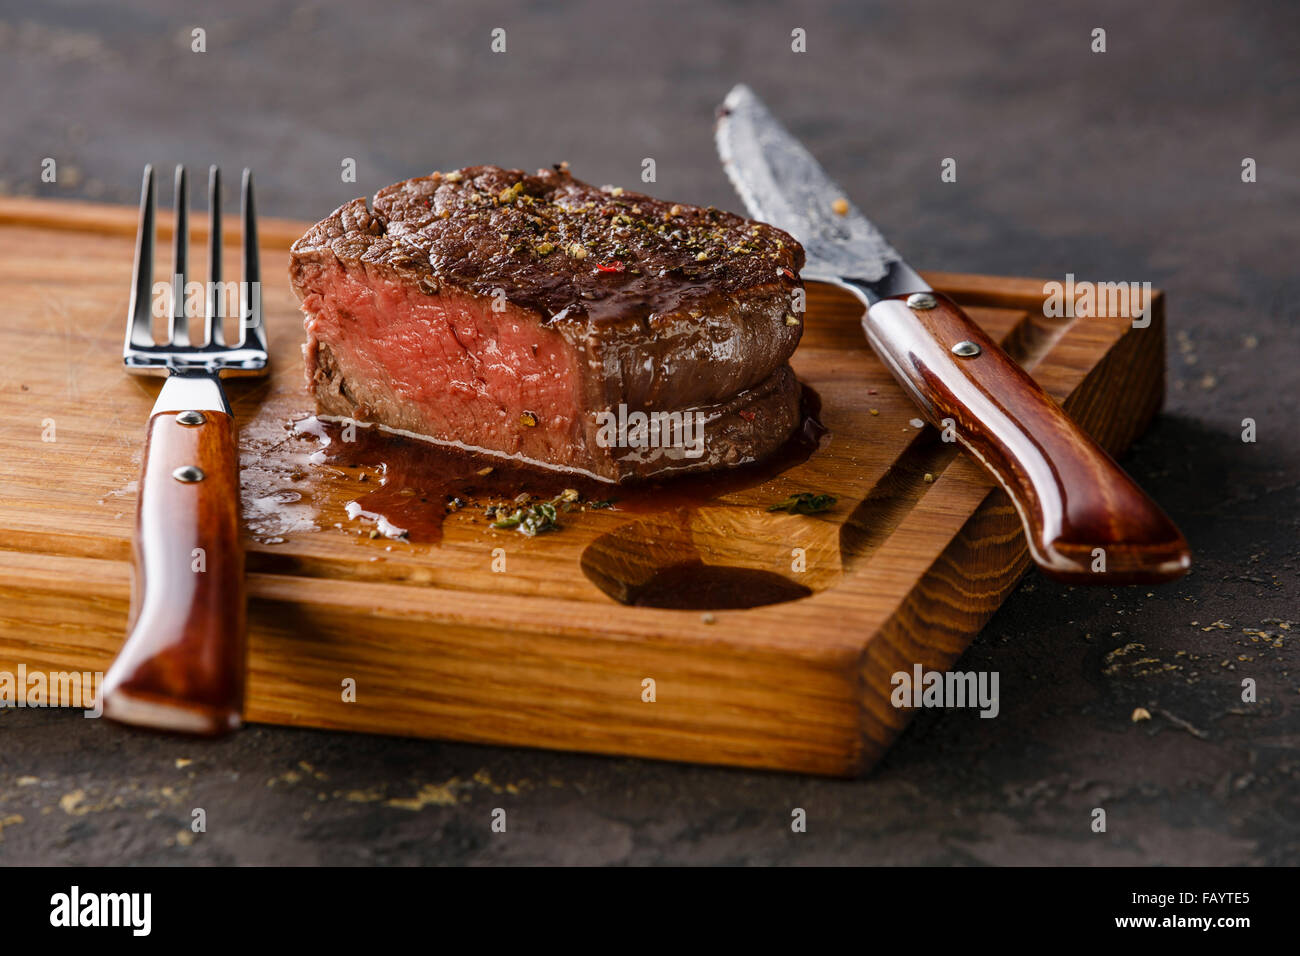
pixel 516 314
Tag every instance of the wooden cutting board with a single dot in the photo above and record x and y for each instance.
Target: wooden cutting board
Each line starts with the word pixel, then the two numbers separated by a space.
pixel 905 569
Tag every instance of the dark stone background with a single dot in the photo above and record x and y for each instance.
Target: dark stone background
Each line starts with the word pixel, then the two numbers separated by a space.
pixel 1115 166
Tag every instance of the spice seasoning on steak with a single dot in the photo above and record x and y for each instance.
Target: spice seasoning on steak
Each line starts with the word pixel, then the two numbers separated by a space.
pixel 514 314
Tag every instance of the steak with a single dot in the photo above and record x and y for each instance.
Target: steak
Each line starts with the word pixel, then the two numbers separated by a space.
pixel 538 317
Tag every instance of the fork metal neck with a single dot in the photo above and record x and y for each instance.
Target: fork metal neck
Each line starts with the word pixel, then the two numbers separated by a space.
pixel 197 389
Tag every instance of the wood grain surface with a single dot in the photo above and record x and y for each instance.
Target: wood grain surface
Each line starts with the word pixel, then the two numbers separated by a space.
pixel 918 552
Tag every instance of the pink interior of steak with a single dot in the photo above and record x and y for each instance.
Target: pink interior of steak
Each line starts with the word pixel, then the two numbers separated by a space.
pixel 443 365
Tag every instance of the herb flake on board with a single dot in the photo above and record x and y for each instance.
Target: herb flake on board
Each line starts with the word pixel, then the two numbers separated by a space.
pixel 534 519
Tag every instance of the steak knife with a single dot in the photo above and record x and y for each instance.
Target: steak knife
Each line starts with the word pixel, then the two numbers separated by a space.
pixel 1085 520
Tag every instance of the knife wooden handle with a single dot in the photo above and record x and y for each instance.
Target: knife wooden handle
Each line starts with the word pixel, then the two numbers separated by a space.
pixel 182 666
pixel 1086 521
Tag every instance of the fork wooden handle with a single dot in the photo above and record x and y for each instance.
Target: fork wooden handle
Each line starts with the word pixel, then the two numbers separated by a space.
pixel 182 666
pixel 1086 521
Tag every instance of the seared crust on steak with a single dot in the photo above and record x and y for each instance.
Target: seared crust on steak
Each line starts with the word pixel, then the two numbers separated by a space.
pixel 486 228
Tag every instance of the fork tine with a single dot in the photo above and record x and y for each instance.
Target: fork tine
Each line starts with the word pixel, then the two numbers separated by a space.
pixel 139 330
pixel 220 351
pixel 213 334
pixel 180 329
pixel 252 331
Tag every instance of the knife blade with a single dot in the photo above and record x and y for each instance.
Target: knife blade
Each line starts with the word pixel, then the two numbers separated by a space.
pixel 780 182
pixel 1085 520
